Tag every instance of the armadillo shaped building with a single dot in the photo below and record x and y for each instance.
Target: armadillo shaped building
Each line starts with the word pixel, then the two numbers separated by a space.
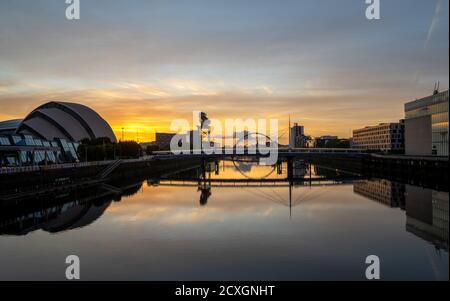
pixel 70 121
pixel 50 133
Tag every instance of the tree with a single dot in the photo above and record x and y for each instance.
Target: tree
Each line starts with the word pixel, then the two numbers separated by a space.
pixel 103 149
pixel 129 149
pixel 337 143
pixel 151 148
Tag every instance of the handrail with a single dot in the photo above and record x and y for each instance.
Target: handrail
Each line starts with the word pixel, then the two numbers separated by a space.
pixel 162 154
pixel 231 151
pixel 19 169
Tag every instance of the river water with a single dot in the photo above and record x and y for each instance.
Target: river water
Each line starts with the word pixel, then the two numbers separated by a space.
pixel 232 221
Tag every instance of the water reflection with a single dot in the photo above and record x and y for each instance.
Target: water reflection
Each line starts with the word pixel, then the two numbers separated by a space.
pixel 55 213
pixel 247 173
pixel 427 213
pixel 289 221
pixel 389 193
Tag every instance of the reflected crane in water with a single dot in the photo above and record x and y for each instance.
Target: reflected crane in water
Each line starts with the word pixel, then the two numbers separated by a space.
pixel 299 173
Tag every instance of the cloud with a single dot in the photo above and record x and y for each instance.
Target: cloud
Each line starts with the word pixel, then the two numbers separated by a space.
pixel 435 22
pixel 146 109
pixel 147 62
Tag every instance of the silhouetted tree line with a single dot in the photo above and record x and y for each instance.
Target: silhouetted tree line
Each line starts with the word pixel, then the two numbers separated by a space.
pixel 103 149
pixel 337 143
pixel 151 148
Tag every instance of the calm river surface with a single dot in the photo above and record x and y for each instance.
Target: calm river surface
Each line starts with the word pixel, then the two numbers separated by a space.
pixel 241 221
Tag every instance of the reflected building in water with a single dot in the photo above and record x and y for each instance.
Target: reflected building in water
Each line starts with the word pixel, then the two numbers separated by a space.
pixel 426 209
pixel 427 215
pixel 53 219
pixel 385 192
pixel 57 213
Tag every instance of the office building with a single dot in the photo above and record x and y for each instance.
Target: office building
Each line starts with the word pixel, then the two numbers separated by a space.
pixel 426 125
pixel 385 137
pixel 297 138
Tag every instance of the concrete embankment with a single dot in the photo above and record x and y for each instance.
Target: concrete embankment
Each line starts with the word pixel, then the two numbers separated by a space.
pixel 86 174
pixel 429 172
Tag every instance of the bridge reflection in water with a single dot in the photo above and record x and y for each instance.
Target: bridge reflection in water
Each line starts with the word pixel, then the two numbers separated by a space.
pixel 426 210
pixel 246 173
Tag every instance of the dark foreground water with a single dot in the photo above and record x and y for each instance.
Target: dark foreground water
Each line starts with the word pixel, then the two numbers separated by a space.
pixel 177 228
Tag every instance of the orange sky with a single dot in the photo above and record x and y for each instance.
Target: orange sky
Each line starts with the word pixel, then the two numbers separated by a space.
pixel 142 116
pixel 144 64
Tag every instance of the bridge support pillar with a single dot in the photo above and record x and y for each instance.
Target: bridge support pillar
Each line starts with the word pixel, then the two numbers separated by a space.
pixel 279 167
pixel 290 169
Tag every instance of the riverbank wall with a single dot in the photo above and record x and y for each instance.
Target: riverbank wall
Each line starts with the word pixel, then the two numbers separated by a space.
pixel 430 172
pixel 93 173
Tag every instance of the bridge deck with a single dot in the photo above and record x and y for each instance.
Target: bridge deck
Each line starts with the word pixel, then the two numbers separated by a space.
pixel 254 182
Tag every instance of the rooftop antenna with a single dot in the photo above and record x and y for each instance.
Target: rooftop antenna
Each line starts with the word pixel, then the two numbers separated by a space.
pixel 436 88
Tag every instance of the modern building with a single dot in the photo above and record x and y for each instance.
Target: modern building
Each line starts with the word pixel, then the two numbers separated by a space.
pixel 426 125
pixel 162 142
pixel 9 126
pixel 321 142
pixel 163 139
pixel 350 142
pixel 329 142
pixel 50 133
pixel 297 138
pixel 385 137
pixel 21 150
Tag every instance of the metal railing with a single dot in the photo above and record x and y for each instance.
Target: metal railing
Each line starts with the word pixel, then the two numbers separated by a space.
pixel 243 151
pixel 322 150
pixel 21 169
pixel 167 154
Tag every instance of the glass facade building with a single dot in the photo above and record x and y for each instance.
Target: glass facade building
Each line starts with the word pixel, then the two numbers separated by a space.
pixel 25 150
pixel 426 125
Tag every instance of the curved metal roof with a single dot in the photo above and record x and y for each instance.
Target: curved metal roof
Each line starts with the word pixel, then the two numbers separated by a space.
pixel 10 124
pixel 67 120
